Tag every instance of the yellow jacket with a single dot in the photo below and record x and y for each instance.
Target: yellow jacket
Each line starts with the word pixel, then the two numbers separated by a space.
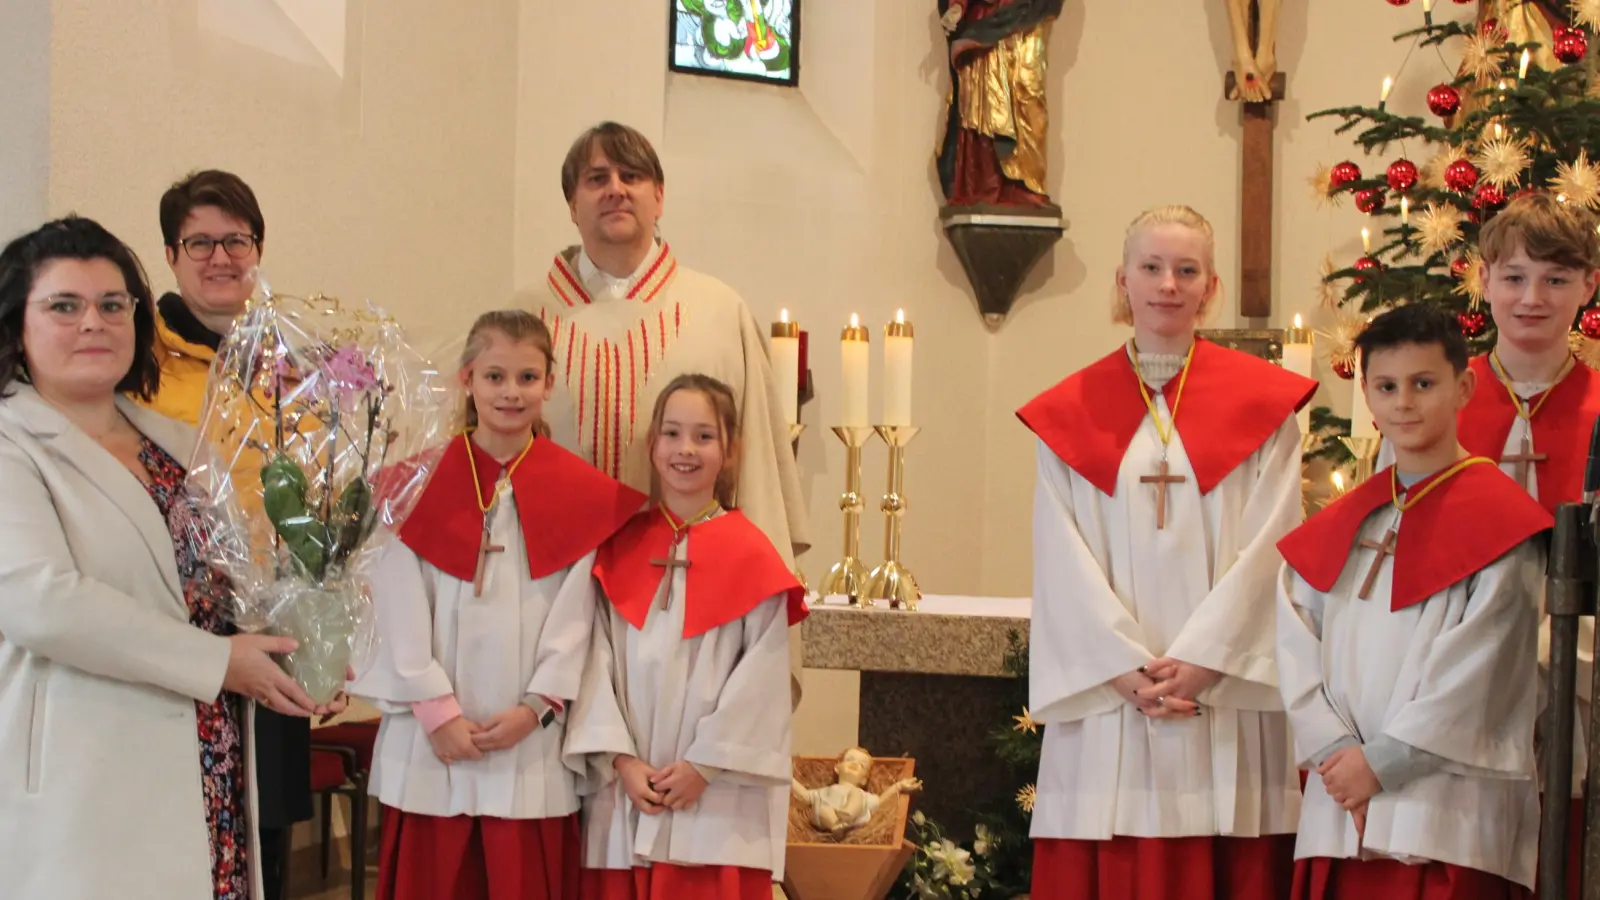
pixel 184 363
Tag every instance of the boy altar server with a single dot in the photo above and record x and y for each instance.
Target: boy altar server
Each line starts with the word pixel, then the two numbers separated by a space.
pixel 1407 646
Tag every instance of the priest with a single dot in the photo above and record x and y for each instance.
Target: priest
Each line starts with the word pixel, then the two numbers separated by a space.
pixel 627 317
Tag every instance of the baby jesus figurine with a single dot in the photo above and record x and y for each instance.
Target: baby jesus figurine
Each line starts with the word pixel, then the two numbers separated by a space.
pixel 845 805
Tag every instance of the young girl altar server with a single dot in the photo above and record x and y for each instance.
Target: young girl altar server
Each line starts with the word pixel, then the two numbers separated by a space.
pixel 484 609
pixel 1167 471
pixel 1408 615
pixel 682 722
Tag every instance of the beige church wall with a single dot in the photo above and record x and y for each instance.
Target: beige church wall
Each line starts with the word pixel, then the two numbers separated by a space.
pixel 25 112
pixel 378 137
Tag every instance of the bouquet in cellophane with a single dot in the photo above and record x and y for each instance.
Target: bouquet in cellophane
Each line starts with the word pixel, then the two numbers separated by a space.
pixel 316 430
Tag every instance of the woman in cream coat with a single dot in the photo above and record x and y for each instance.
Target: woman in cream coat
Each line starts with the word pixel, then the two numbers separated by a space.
pixel 123 725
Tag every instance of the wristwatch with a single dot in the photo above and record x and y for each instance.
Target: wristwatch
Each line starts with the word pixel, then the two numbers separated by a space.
pixel 547 713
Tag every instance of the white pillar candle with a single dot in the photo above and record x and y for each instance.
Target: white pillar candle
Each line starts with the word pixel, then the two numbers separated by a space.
pixel 1297 352
pixel 785 354
pixel 853 350
pixel 897 342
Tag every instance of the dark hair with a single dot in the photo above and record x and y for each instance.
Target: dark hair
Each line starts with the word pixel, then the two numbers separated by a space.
pixel 1422 324
pixel 73 237
pixel 622 145
pixel 210 187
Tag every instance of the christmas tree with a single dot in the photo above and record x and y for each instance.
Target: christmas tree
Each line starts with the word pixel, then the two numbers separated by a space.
pixel 1521 114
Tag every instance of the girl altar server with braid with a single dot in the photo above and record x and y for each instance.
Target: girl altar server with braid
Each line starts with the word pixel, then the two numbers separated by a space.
pixel 1167 471
pixel 682 723
pixel 484 609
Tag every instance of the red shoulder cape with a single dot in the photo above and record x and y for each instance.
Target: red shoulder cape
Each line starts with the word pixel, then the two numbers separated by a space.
pixel 732 568
pixel 1560 429
pixel 1232 403
pixel 566 507
pixel 1464 524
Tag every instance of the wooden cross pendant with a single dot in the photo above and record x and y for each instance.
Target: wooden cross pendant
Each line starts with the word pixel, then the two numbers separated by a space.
pixel 484 549
pixel 671 562
pixel 1384 548
pixel 1524 458
pixel 1161 479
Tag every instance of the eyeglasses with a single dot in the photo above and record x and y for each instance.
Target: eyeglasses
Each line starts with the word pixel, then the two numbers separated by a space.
pixel 69 309
pixel 201 247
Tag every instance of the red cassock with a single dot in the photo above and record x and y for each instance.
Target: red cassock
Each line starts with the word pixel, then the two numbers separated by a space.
pixel 566 508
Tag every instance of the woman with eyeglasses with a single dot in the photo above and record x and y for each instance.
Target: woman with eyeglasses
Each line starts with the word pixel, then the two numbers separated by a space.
pixel 124 718
pixel 212 228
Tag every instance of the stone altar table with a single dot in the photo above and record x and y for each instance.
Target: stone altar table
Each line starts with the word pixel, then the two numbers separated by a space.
pixel 933 687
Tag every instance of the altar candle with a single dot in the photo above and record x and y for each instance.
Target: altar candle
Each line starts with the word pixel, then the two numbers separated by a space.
pixel 1427 6
pixel 1388 85
pixel 1297 351
pixel 853 350
pixel 786 365
pixel 1522 68
pixel 1405 210
pixel 1361 424
pixel 1366 241
pixel 897 338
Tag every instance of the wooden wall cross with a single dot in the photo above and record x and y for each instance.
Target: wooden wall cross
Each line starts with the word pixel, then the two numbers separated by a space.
pixel 1257 85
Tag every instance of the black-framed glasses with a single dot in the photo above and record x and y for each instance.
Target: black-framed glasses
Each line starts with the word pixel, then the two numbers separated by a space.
pixel 200 247
pixel 69 309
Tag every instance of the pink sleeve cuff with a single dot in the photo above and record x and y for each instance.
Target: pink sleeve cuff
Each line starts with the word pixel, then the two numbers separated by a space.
pixel 436 712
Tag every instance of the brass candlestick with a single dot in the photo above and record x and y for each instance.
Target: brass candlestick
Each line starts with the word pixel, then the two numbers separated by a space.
pixel 1365 450
pixel 848 577
pixel 892 581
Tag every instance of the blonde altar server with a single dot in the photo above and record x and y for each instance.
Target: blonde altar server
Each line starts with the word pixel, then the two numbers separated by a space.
pixel 682 725
pixel 1167 472
pixel 484 609
pixel 1408 615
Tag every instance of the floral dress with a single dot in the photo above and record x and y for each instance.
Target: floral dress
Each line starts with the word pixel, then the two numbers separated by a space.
pixel 222 765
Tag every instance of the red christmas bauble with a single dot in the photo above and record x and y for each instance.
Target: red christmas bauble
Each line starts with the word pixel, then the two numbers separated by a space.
pixel 1444 100
pixel 1398 2
pixel 1461 175
pixel 1370 201
pixel 1402 175
pixel 1488 195
pixel 1344 173
pixel 1490 27
pixel 1570 45
pixel 1473 322
pixel 1589 323
pixel 1366 264
pixel 1458 266
pixel 1345 366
